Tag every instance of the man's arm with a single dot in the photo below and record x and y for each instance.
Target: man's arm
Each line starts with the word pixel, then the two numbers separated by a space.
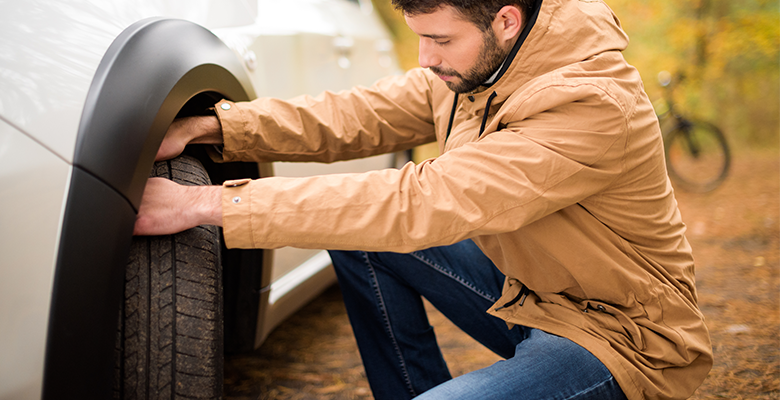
pixel 303 129
pixel 189 130
pixel 392 115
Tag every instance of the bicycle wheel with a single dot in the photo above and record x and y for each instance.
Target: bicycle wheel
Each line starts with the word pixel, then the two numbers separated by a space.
pixel 697 156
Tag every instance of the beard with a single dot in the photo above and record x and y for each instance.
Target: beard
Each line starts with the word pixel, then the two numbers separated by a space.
pixel 490 58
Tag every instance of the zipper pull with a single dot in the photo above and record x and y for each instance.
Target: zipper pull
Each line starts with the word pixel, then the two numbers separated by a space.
pixel 524 291
pixel 487 111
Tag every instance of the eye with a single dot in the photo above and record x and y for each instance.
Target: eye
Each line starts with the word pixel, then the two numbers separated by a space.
pixel 441 42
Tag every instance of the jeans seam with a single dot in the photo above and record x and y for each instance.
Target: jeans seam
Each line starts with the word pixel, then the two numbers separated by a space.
pixel 388 325
pixel 455 277
pixel 591 388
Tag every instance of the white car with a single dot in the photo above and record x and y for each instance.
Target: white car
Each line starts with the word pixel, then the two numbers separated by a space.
pixel 87 91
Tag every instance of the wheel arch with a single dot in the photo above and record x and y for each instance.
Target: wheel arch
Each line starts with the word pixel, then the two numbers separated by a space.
pixel 148 74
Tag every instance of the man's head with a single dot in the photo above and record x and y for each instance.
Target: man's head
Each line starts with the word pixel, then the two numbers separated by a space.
pixel 465 41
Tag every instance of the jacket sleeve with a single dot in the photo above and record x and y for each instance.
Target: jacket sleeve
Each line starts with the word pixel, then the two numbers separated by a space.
pixel 394 114
pixel 498 184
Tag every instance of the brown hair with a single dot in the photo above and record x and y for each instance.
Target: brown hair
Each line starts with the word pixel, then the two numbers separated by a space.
pixel 480 12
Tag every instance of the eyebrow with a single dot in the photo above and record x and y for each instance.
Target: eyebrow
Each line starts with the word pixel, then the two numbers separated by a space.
pixel 434 36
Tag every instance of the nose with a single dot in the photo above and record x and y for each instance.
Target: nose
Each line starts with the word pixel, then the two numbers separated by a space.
pixel 428 57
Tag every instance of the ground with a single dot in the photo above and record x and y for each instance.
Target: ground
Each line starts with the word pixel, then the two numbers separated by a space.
pixel 735 234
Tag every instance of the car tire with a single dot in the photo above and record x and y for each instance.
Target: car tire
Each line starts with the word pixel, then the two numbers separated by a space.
pixel 170 336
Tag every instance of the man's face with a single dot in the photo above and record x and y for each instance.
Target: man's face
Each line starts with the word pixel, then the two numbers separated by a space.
pixel 455 49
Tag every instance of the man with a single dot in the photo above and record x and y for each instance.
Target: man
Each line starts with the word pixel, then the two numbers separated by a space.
pixel 549 207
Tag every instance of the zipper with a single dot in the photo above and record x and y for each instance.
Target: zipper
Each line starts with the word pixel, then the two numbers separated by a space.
pixel 524 291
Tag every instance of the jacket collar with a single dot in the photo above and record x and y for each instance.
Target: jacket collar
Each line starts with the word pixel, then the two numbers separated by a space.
pixel 520 40
pixel 558 33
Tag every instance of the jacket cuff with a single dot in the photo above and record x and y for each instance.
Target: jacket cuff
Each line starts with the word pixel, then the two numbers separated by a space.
pixel 237 218
pixel 233 127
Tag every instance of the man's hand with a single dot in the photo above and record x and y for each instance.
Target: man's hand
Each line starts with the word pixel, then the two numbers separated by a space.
pixel 168 208
pixel 183 131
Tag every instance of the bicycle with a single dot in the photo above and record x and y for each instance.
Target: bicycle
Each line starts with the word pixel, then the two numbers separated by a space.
pixel 698 157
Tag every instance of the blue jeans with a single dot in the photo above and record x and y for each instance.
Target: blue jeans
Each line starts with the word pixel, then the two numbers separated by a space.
pixel 382 293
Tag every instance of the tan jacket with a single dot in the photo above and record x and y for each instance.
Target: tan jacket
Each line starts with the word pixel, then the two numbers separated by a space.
pixel 566 191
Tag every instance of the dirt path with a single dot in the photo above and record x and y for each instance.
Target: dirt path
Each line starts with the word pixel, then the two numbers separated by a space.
pixel 735 234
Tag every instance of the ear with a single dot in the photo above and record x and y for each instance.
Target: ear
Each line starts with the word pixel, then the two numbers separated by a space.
pixel 508 23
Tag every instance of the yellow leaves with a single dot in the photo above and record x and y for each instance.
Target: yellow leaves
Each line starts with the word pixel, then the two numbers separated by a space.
pixel 683 32
pixel 749 34
pixel 729 51
pixel 716 31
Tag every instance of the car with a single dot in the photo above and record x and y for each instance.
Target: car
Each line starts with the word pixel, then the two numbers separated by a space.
pixel 88 89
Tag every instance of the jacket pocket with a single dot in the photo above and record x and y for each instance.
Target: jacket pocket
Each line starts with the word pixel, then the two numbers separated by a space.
pixel 614 320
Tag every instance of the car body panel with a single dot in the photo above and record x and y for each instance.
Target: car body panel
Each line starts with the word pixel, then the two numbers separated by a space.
pixel 33 184
pixel 49 62
pixel 51 51
pixel 329 45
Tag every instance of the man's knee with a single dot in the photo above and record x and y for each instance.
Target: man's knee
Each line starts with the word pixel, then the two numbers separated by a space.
pixel 352 268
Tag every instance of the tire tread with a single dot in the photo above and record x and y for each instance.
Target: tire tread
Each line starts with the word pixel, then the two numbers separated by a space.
pixel 169 341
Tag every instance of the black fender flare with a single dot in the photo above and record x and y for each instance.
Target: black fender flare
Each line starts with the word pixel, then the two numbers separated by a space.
pixel 146 76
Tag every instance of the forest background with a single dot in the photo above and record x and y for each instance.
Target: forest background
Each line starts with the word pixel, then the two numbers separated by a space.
pixel 727 53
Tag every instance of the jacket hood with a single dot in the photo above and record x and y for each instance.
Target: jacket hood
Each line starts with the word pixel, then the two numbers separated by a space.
pixel 559 33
